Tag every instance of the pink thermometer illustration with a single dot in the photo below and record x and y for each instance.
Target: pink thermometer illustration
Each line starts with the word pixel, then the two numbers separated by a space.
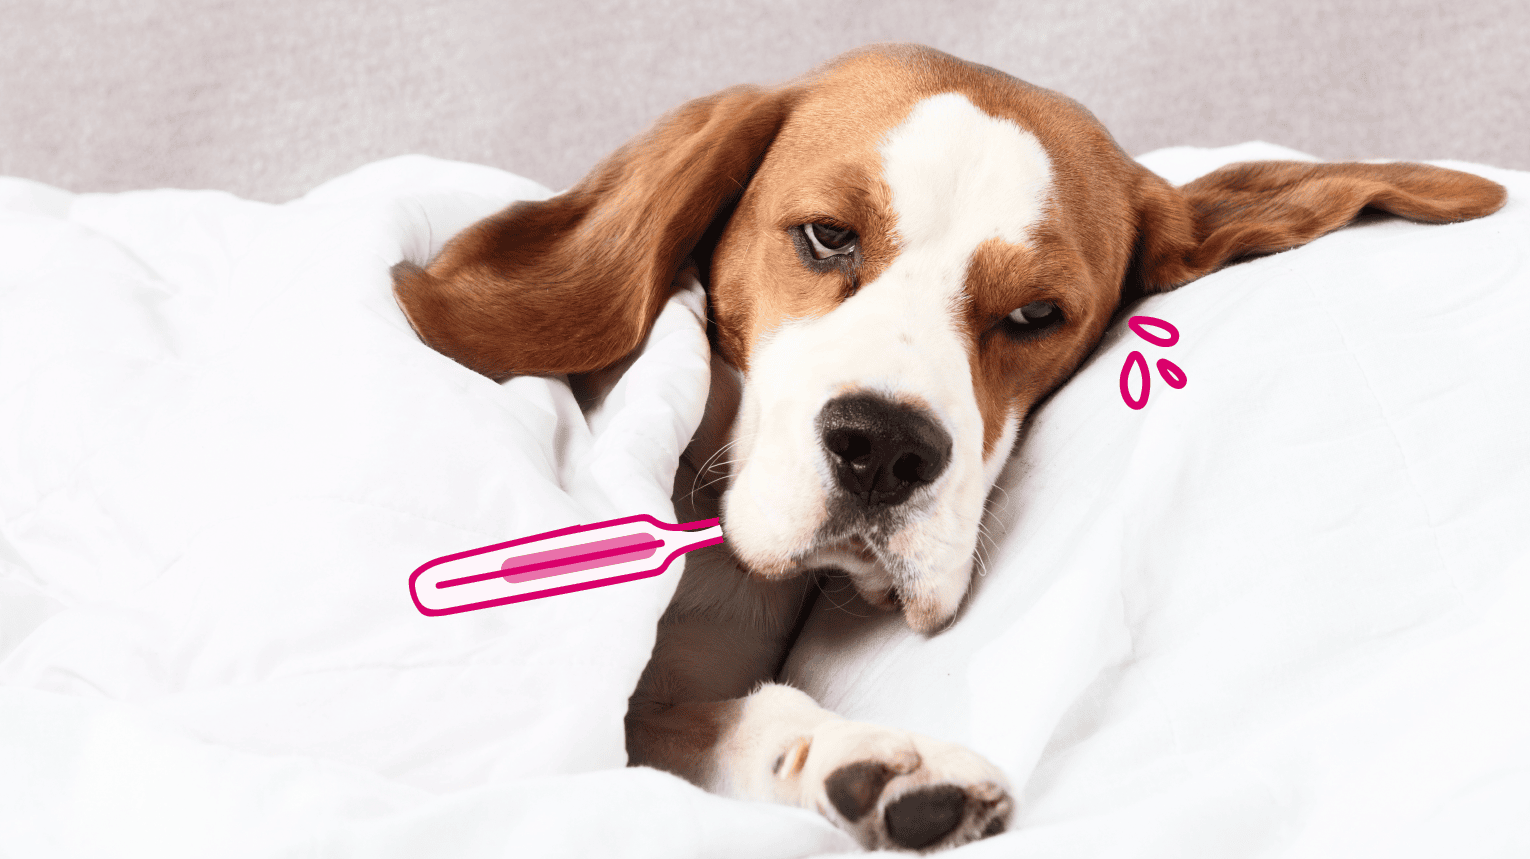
pixel 556 562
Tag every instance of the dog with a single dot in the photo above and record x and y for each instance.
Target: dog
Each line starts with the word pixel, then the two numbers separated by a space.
pixel 903 254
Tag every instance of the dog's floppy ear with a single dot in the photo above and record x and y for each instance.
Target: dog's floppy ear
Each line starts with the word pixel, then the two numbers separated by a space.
pixel 574 283
pixel 1267 206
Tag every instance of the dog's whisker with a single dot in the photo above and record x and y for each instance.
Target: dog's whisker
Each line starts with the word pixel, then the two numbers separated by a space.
pixel 711 460
pixel 831 585
pixel 720 451
pixel 701 471
pixel 845 606
pixel 711 464
pixel 725 464
pixel 711 482
pixel 1002 491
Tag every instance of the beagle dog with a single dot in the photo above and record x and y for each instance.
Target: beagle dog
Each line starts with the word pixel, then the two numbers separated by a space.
pixel 903 254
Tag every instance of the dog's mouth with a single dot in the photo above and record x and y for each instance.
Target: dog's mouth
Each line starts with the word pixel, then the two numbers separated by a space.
pixel 891 566
pixel 867 568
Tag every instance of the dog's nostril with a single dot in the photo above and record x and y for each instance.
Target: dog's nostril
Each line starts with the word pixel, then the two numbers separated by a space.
pixel 848 445
pixel 881 451
pixel 910 468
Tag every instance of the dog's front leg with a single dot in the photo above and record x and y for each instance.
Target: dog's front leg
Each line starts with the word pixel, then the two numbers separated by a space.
pixel 705 711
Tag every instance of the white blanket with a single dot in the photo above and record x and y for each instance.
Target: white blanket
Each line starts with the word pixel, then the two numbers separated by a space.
pixel 1279 611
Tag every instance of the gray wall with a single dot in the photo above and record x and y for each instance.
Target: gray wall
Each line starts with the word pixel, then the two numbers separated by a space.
pixel 267 98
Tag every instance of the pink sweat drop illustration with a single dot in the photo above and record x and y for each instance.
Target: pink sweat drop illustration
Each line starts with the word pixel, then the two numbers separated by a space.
pixel 1172 375
pixel 556 562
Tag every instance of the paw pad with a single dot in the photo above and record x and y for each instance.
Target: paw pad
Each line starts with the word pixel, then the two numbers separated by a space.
pixel 855 788
pixel 920 818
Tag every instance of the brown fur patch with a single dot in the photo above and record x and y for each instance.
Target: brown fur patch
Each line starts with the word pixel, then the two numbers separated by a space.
pixel 679 738
pixel 1263 207
pixel 573 283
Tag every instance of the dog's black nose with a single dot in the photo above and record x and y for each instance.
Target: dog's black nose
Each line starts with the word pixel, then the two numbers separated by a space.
pixel 881 451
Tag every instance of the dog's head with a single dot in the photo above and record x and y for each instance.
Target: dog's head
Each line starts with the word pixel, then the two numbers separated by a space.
pixel 904 253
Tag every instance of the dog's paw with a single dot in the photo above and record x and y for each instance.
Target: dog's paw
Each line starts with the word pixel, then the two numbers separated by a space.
pixel 896 790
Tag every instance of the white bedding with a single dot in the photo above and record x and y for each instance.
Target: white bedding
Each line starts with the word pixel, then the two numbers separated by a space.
pixel 1278 612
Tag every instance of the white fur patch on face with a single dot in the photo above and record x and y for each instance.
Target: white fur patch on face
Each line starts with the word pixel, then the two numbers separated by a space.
pixel 959 177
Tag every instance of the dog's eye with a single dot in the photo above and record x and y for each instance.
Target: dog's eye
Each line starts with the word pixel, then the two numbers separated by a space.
pixel 1035 313
pixel 829 241
pixel 1033 318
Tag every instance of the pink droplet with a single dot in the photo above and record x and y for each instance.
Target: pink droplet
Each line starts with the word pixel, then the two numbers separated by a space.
pixel 1135 360
pixel 1171 373
pixel 1138 324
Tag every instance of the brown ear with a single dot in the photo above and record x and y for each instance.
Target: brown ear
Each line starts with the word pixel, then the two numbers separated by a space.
pixel 574 283
pixel 1267 206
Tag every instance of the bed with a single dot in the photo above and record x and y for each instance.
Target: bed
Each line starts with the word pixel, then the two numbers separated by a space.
pixel 1277 611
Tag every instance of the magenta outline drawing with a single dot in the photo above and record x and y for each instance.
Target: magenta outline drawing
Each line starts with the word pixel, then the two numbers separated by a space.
pixel 568 559
pixel 1147 380
pixel 1171 373
pixel 1139 324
